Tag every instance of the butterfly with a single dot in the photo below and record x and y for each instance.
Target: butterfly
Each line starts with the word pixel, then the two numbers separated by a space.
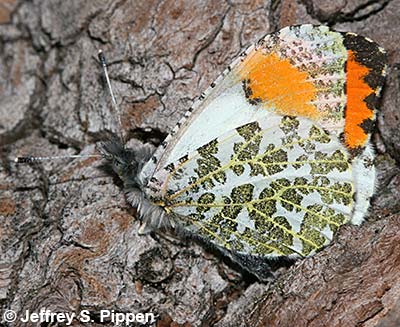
pixel 274 156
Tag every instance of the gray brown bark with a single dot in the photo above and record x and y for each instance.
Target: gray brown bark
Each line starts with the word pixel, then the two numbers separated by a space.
pixel 69 241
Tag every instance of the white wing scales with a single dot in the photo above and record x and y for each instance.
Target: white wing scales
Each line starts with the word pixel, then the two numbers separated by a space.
pixel 261 183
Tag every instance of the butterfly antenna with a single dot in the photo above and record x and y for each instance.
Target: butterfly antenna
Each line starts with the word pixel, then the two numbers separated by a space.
pixel 103 62
pixel 30 159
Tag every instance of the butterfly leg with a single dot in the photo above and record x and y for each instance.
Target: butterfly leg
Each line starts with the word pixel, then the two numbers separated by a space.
pixel 153 217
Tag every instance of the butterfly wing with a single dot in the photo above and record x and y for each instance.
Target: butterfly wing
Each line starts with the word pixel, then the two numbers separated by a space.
pixel 276 186
pixel 297 71
pixel 304 72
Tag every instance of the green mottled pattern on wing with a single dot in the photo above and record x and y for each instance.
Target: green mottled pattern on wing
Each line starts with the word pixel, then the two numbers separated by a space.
pixel 274 187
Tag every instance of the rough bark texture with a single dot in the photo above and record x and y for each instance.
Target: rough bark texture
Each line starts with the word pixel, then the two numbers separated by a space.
pixel 69 241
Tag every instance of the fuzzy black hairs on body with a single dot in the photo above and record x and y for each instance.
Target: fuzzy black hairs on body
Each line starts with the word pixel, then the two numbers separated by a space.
pixel 127 164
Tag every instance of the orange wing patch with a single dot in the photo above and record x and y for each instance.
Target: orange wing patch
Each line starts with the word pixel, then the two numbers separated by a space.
pixel 269 79
pixel 357 111
pixel 365 76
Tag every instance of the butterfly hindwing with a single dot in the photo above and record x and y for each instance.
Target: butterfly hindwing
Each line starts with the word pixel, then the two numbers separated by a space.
pixel 275 186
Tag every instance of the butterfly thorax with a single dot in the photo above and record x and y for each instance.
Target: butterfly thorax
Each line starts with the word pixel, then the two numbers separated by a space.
pixel 127 163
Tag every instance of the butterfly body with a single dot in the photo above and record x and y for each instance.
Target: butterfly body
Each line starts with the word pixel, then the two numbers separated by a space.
pixel 275 155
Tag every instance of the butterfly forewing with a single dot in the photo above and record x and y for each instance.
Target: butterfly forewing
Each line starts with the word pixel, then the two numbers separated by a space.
pixel 297 71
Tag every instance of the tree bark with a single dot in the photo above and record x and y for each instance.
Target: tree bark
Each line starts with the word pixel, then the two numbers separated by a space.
pixel 69 241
